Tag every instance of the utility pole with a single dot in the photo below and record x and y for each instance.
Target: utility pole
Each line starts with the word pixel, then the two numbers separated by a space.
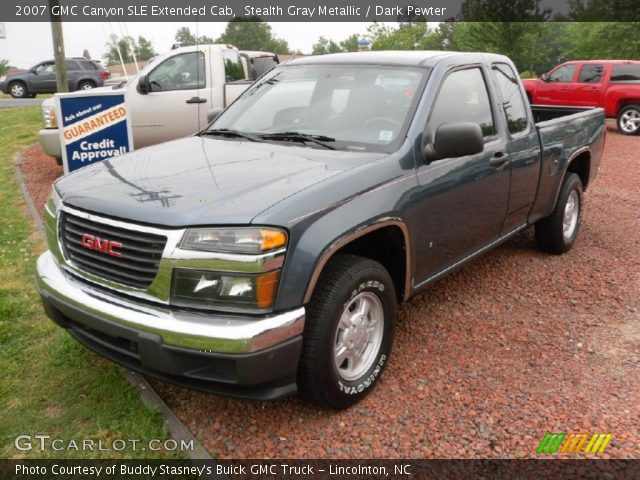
pixel 58 49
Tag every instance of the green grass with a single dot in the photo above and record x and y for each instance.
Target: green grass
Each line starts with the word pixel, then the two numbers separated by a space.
pixel 49 383
pixel 41 96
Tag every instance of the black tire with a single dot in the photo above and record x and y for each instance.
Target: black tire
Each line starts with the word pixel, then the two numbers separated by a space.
pixel 346 280
pixel 550 231
pixel 18 89
pixel 86 85
pixel 629 120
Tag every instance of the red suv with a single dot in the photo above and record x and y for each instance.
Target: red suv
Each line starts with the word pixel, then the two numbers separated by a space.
pixel 611 84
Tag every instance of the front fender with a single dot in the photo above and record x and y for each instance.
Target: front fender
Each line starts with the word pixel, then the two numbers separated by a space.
pixel 314 240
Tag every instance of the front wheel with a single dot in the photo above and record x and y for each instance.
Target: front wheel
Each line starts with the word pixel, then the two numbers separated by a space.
pixel 348 333
pixel 629 120
pixel 18 90
pixel 557 233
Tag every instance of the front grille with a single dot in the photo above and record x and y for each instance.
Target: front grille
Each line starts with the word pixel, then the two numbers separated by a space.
pixel 139 258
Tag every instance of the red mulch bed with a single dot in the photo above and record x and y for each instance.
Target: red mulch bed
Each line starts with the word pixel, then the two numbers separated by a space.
pixel 39 171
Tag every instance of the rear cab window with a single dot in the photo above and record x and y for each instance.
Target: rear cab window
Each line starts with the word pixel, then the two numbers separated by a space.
pixel 626 73
pixel 513 105
pixel 233 69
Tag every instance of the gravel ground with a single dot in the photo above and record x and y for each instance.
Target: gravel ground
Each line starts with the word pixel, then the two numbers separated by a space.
pixel 486 361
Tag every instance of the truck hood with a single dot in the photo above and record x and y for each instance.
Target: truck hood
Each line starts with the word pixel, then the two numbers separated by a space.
pixel 202 181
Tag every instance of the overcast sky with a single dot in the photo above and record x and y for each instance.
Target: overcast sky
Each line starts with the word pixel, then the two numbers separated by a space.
pixel 29 43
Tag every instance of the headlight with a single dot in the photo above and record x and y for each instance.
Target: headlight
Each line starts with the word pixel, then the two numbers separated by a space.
pixel 226 291
pixel 49 117
pixel 54 201
pixel 250 240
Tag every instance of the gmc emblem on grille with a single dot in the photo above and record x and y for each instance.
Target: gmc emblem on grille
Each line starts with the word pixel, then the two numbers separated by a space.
pixel 108 247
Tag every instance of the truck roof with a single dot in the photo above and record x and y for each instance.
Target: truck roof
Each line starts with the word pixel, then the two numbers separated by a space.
pixel 414 58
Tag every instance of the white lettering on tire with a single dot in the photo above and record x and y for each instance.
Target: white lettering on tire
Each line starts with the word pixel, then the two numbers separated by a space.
pixel 366 383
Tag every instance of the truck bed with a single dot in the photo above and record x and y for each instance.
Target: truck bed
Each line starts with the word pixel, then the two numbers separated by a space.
pixel 543 113
pixel 564 132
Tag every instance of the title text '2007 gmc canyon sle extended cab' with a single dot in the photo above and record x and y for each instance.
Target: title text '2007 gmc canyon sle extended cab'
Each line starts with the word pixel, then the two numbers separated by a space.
pixel 267 254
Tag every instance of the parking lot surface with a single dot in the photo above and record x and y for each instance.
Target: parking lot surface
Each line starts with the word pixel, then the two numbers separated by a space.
pixel 486 361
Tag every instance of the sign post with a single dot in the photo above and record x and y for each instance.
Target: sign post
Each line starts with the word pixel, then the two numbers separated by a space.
pixel 93 127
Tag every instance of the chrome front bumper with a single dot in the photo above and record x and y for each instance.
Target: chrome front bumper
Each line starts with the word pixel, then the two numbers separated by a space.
pixel 207 332
pixel 49 139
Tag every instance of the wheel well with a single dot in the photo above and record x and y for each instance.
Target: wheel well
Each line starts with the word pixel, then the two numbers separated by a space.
pixel 87 80
pixel 387 246
pixel 17 81
pixel 581 166
pixel 625 103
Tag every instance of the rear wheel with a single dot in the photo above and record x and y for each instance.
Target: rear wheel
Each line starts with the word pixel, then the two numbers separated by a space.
pixel 348 333
pixel 629 120
pixel 557 233
pixel 86 85
pixel 18 90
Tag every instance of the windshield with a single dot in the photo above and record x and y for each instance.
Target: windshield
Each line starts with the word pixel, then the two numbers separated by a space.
pixel 360 107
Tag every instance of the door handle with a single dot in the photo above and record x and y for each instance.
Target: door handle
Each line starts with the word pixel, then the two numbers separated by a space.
pixel 498 159
pixel 197 100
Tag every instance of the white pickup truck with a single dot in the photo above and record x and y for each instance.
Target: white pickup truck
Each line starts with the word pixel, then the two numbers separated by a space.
pixel 173 96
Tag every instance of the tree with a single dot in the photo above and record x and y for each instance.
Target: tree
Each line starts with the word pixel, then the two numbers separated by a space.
pixel 251 33
pixel 407 36
pixel 4 67
pixel 593 40
pixel 323 46
pixel 184 37
pixel 142 48
pixel 350 44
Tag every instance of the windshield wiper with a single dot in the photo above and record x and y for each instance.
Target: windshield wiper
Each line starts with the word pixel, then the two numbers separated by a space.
pixel 300 137
pixel 226 132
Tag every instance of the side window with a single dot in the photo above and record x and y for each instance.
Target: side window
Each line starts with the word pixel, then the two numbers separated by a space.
pixel 45 68
pixel 71 66
pixel 463 97
pixel 185 71
pixel 88 65
pixel 591 73
pixel 563 74
pixel 513 105
pixel 625 73
pixel 233 69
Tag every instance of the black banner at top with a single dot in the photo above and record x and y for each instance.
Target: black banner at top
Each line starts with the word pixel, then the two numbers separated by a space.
pixel 319 10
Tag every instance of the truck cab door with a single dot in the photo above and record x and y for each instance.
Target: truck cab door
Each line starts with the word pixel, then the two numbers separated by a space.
pixel 559 86
pixel 588 92
pixel 43 78
pixel 177 102
pixel 461 202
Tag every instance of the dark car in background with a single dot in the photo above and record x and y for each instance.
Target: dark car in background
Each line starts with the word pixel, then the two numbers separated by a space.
pixel 82 74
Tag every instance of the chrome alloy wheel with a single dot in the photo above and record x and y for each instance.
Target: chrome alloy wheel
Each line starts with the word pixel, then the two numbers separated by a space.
pixel 630 121
pixel 571 214
pixel 359 336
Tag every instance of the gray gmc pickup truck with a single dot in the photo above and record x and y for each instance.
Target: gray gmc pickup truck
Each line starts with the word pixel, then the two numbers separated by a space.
pixel 267 254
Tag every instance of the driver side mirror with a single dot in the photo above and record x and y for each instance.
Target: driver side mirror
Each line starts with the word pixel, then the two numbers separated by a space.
pixel 143 85
pixel 454 140
pixel 545 77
